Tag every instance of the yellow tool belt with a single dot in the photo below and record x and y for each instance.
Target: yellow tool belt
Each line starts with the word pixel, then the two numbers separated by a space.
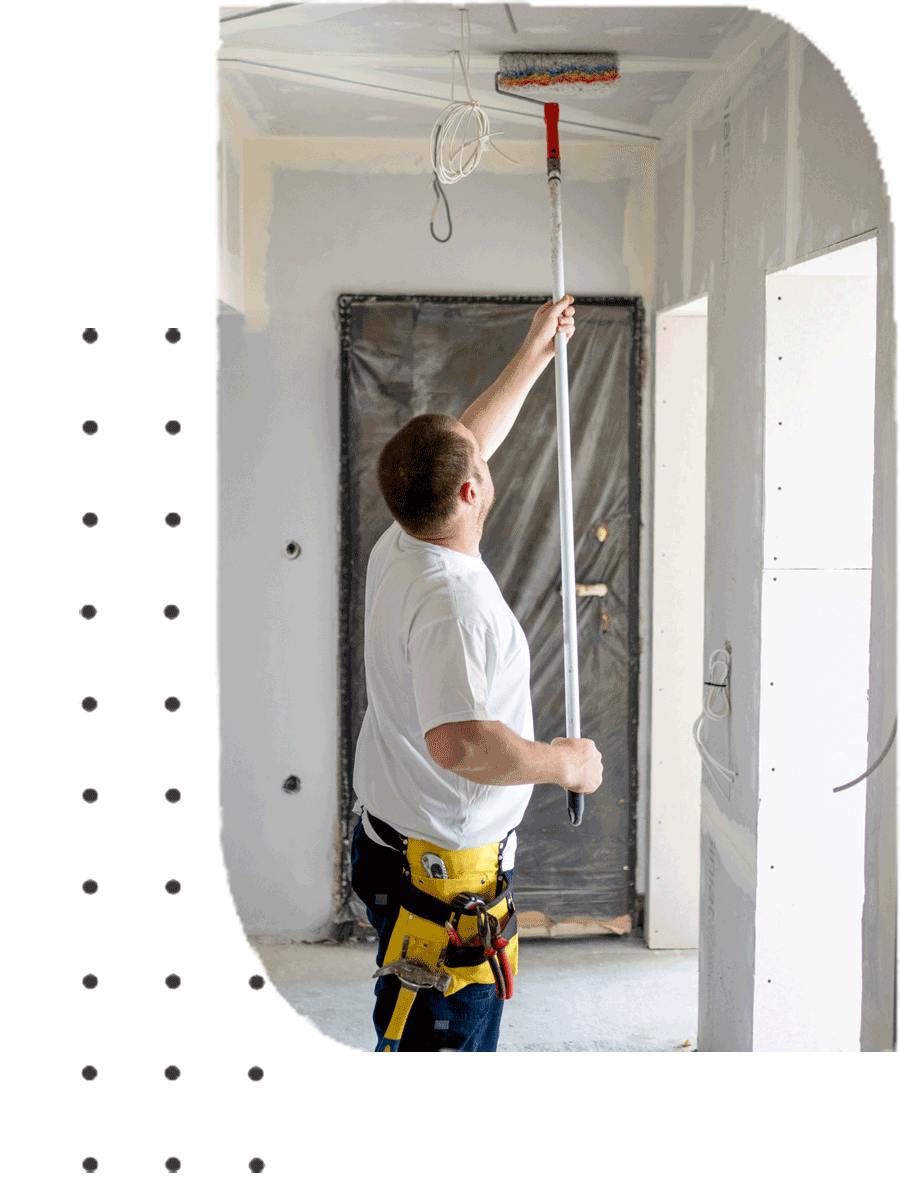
pixel 456 925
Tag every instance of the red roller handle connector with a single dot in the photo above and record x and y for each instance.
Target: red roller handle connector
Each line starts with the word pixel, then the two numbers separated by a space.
pixel 551 120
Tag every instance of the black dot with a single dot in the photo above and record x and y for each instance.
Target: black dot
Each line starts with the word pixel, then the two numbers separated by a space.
pixel 90 427
pixel 88 612
pixel 90 981
pixel 173 981
pixel 173 1164
pixel 89 886
pixel 90 1164
pixel 255 1073
pixel 90 519
pixel 256 982
pixel 171 611
pixel 89 1072
pixel 89 794
pixel 173 427
pixel 256 1165
pixel 89 704
pixel 173 519
pixel 173 887
pixel 173 703
pixel 173 795
pixel 173 336
pixel 90 335
pixel 172 1072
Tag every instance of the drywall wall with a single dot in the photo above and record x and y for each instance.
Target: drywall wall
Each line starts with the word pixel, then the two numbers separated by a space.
pixel 320 217
pixel 773 165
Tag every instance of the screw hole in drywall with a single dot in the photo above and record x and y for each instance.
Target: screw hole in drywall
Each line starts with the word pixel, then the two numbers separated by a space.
pixel 291 550
pixel 291 784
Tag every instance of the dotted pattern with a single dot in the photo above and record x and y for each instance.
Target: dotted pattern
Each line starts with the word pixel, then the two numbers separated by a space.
pixel 173 795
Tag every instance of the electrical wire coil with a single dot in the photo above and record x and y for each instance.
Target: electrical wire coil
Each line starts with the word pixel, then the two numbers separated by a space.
pixel 451 139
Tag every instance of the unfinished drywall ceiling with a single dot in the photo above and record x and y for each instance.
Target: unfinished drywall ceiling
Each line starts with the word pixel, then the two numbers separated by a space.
pixel 385 69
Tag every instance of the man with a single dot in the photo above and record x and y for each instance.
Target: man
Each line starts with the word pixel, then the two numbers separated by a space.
pixel 445 752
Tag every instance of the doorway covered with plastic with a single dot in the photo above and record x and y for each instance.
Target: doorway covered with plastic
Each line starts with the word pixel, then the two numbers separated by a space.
pixel 406 355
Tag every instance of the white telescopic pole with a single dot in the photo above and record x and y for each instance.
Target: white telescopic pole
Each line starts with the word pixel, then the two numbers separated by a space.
pixel 564 453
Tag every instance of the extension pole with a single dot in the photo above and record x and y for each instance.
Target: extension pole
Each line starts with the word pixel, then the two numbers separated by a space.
pixel 575 800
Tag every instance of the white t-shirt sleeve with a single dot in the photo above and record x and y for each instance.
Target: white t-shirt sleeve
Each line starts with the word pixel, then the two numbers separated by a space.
pixel 453 661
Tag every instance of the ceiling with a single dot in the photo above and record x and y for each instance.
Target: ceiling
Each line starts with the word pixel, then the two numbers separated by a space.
pixel 384 70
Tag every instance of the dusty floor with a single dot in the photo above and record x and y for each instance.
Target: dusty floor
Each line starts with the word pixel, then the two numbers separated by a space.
pixel 571 994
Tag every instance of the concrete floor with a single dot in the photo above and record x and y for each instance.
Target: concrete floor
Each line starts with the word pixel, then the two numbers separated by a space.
pixel 571 994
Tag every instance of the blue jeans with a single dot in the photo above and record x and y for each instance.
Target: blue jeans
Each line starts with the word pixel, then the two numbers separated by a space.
pixel 467 1020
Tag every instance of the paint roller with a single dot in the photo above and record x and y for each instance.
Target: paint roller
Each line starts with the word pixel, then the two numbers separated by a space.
pixel 530 76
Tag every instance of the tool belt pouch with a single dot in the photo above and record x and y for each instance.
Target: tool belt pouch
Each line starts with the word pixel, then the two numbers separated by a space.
pixel 425 906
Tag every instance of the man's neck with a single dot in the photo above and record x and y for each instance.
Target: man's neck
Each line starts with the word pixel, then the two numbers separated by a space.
pixel 456 544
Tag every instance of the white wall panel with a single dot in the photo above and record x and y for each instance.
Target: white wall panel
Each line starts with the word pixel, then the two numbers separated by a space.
pixel 816 620
pixel 820 412
pixel 673 876
pixel 811 839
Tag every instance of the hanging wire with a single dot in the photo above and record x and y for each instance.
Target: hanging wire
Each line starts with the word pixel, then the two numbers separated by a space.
pixel 439 192
pixel 450 139
pixel 447 157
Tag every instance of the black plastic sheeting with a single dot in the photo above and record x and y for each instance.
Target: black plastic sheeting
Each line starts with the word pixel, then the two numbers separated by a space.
pixel 406 355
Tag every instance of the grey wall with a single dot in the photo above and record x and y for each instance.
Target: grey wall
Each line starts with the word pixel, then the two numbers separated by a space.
pixel 779 165
pixel 314 226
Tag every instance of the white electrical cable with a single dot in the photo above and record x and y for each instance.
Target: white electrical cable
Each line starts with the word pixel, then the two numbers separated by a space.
pixel 447 158
pixel 715 664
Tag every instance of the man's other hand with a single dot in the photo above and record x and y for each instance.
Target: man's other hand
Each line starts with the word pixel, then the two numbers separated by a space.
pixel 549 319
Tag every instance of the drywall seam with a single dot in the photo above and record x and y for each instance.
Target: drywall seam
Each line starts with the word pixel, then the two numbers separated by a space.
pixel 726 84
pixel 735 843
pixel 638 232
pixel 687 248
pixel 256 212
pixel 597 162
pixel 790 150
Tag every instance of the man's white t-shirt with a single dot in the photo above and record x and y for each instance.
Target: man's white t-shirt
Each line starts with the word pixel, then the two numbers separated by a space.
pixel 441 644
